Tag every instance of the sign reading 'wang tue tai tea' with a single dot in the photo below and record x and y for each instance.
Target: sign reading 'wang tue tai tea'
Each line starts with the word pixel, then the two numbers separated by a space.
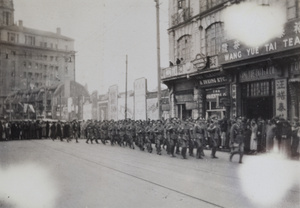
pixel 234 50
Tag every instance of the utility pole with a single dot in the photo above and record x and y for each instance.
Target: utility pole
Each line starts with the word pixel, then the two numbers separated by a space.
pixel 126 88
pixel 60 106
pixel 158 60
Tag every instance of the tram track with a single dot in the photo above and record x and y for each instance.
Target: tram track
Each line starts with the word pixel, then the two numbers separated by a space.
pixel 131 175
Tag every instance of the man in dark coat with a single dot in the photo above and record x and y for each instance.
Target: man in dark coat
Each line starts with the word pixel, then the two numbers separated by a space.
pixel 59 131
pixel 47 129
pixel 237 139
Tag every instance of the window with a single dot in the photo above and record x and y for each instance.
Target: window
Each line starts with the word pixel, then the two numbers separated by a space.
pixel 208 4
pixel 214 36
pixel 6 18
pixel 181 4
pixel 184 47
pixel 29 40
pixel 256 89
pixel 12 37
pixel 291 9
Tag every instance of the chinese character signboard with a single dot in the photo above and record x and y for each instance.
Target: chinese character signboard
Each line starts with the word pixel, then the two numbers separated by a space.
pixel 281 98
pixel 234 50
pixel 233 96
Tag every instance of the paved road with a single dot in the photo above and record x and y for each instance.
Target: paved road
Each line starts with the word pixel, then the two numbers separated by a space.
pixel 43 173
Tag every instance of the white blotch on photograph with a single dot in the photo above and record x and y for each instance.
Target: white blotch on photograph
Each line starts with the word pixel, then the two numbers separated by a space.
pixel 27 186
pixel 254 23
pixel 266 179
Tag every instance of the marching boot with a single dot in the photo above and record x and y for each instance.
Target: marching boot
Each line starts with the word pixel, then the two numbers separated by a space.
pixel 231 156
pixel 199 153
pixel 183 152
pixel 213 153
pixel 241 157
pixel 172 150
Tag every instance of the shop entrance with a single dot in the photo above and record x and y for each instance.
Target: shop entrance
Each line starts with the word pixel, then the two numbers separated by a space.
pixel 257 99
pixel 183 113
pixel 258 107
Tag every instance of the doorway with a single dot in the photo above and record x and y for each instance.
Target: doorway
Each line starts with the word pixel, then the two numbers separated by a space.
pixel 258 107
pixel 183 113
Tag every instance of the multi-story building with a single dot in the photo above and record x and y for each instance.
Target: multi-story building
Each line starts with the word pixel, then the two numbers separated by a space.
pixel 210 74
pixel 31 58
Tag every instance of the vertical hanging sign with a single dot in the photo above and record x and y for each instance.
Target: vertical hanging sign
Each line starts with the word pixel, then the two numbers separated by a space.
pixel 281 97
pixel 233 96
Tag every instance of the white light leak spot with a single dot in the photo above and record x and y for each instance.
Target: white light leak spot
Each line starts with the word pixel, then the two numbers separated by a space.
pixel 267 179
pixel 27 186
pixel 254 24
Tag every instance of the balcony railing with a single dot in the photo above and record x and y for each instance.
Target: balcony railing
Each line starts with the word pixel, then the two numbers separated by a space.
pixel 177 70
pixel 182 16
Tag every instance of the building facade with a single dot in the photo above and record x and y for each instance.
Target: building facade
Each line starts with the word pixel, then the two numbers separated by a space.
pixel 31 58
pixel 210 74
pixel 63 101
pixel 140 104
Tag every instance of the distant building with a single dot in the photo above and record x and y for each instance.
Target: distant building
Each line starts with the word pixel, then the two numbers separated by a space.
pixel 63 101
pixel 31 58
pixel 141 104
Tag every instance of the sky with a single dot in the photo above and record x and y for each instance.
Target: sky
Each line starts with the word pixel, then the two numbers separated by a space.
pixel 105 31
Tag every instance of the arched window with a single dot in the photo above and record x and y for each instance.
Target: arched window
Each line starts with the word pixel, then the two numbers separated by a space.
pixel 214 35
pixel 184 47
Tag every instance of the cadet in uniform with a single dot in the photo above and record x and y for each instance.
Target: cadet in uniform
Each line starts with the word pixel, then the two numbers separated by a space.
pixel 215 134
pixel 200 134
pixel 159 129
pixel 237 139
pixel 148 132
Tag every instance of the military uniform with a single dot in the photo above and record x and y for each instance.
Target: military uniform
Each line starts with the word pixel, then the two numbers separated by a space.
pixel 215 134
pixel 159 130
pixel 200 134
pixel 237 139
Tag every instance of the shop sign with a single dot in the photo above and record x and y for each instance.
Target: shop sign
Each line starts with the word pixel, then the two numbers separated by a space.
pixel 281 98
pixel 257 74
pixel 215 80
pixel 200 61
pixel 295 67
pixel 234 50
pixel 190 105
pixel 177 70
pixel 233 96
pixel 215 93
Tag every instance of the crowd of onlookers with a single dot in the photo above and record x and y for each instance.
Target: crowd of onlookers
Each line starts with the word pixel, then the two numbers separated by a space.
pixel 258 135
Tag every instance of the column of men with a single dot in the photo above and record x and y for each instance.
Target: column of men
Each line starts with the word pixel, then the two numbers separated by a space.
pixel 173 135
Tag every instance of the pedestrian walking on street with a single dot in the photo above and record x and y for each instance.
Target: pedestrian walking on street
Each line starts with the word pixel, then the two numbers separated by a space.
pixel 253 138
